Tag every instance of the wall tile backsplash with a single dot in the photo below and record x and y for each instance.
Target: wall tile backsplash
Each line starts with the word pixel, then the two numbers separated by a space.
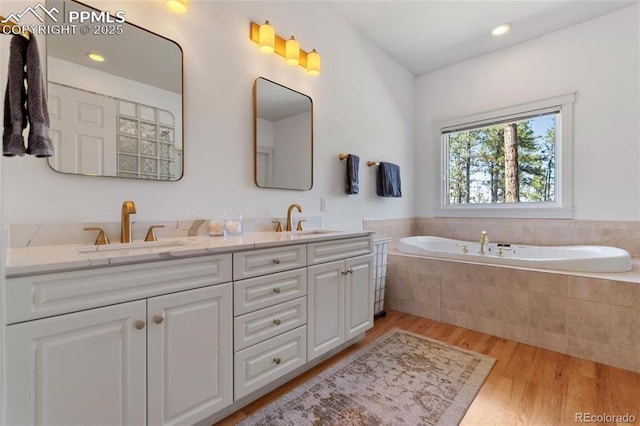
pixel 34 235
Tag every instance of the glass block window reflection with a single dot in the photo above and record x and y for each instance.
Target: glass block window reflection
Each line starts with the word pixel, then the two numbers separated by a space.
pixel 146 138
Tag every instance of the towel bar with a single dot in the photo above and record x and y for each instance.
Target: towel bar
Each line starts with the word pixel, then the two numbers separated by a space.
pixel 9 27
pixel 372 163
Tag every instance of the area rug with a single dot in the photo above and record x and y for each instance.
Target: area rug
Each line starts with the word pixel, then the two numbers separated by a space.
pixel 400 378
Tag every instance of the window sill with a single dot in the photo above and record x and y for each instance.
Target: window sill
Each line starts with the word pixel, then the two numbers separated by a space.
pixel 524 212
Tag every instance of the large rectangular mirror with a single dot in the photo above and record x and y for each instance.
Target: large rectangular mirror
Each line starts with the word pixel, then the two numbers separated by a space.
pixel 119 115
pixel 283 135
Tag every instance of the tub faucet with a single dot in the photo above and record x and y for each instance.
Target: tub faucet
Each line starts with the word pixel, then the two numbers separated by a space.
pixel 128 208
pixel 484 239
pixel 289 210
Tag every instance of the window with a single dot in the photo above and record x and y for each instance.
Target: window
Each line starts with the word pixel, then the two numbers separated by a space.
pixel 514 162
pixel 146 142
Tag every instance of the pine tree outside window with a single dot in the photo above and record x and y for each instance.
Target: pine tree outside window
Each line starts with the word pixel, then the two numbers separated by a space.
pixel 513 162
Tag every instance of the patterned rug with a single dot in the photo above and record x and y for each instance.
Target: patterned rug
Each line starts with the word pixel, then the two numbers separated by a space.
pixel 400 378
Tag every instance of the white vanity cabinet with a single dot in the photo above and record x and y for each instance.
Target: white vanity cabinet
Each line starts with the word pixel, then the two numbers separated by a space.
pixel 162 359
pixel 183 339
pixel 340 293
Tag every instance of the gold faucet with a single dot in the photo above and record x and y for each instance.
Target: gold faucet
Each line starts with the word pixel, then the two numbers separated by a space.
pixel 128 208
pixel 484 239
pixel 289 223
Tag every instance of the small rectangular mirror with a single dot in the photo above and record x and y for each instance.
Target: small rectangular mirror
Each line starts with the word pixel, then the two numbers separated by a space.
pixel 122 115
pixel 283 137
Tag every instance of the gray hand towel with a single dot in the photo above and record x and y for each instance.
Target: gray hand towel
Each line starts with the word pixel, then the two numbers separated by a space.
pixel 388 180
pixel 353 181
pixel 23 53
pixel 15 100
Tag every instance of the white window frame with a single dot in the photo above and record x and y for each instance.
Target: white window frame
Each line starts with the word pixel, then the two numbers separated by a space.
pixel 561 208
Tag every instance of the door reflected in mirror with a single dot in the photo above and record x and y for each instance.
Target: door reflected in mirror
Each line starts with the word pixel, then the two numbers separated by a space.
pixel 283 137
pixel 121 116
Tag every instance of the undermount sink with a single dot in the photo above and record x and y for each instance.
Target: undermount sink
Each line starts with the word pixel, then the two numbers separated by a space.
pixel 311 232
pixel 129 249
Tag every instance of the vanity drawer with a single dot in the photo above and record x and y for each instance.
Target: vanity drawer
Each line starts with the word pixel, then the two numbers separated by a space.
pixel 40 296
pixel 261 325
pixel 260 364
pixel 338 249
pixel 247 264
pixel 257 293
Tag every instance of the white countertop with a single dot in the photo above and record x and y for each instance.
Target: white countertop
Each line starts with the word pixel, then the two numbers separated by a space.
pixel 37 260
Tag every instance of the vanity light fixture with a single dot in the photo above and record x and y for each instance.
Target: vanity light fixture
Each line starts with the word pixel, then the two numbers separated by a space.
pixel 178 6
pixel 95 56
pixel 292 51
pixel 501 29
pixel 263 34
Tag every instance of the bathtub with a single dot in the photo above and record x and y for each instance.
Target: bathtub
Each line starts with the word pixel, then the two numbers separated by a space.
pixel 561 258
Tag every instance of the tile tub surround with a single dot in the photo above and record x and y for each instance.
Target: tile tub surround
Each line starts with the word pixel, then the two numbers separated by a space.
pixel 597 318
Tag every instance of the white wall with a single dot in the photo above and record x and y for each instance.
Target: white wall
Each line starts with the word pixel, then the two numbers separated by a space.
pixel 599 61
pixel 363 103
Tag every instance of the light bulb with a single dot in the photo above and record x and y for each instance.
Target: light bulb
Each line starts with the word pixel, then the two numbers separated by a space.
pixel 313 63
pixel 292 51
pixel 178 6
pixel 267 38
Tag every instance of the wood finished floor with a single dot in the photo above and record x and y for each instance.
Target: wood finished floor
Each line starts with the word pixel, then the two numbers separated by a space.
pixel 527 386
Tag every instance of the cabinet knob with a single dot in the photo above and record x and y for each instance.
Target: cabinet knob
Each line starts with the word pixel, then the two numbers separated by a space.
pixel 344 272
pixel 139 324
pixel 276 261
pixel 350 271
pixel 277 321
pixel 276 290
pixel 277 360
pixel 158 319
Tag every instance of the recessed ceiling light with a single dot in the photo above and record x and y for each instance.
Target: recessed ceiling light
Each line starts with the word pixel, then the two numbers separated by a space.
pixel 501 29
pixel 95 56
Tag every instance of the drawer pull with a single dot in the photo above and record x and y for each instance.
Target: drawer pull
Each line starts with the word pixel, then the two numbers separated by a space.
pixel 139 324
pixel 276 290
pixel 158 319
pixel 277 321
pixel 276 261
pixel 277 360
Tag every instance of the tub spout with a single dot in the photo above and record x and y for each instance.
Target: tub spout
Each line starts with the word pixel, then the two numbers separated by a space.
pixel 484 239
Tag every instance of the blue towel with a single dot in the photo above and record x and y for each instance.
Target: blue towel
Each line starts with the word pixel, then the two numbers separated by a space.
pixel 353 182
pixel 388 180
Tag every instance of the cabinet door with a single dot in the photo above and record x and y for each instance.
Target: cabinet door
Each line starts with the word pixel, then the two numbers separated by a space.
pixel 78 369
pixel 359 295
pixel 325 308
pixel 190 355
